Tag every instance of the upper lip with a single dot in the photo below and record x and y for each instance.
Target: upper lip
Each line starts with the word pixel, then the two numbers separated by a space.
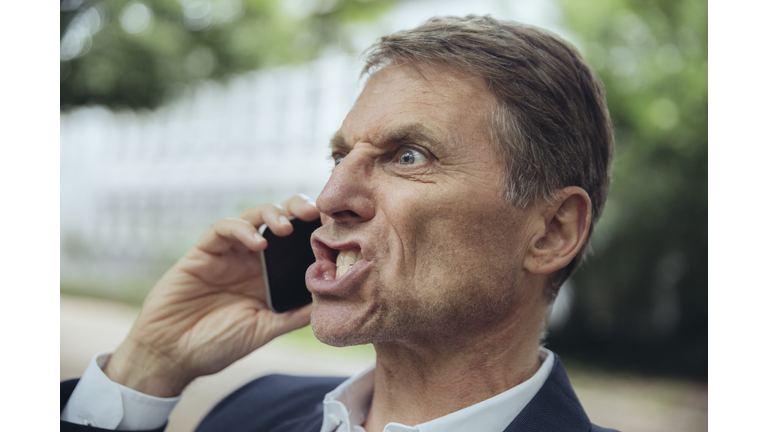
pixel 326 249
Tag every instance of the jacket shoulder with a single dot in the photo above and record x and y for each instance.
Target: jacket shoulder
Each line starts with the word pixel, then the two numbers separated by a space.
pixel 274 403
pixel 554 408
pixel 596 428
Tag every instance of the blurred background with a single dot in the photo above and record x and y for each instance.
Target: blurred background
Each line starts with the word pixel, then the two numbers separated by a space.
pixel 175 113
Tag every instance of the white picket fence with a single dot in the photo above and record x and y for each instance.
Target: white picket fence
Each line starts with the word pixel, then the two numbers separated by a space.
pixel 138 186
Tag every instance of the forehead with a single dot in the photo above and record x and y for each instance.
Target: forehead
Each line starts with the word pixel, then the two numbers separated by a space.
pixel 436 104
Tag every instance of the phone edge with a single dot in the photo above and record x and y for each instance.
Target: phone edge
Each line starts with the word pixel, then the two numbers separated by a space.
pixel 264 274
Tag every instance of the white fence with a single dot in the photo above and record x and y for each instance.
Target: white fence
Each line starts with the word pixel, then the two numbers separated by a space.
pixel 140 186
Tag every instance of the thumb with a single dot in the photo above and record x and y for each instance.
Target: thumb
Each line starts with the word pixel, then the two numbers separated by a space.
pixel 292 320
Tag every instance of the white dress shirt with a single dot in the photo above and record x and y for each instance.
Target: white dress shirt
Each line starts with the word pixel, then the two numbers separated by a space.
pixel 346 408
pixel 97 401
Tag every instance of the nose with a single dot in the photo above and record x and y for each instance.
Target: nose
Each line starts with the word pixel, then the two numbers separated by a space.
pixel 347 197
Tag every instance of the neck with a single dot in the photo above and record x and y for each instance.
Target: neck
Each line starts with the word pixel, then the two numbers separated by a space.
pixel 418 381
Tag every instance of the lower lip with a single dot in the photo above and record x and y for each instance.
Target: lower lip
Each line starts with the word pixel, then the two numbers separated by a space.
pixel 320 278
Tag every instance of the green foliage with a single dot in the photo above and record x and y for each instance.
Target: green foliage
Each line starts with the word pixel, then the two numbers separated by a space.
pixel 128 53
pixel 642 297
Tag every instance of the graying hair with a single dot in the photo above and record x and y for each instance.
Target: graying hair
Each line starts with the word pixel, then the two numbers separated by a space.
pixel 551 125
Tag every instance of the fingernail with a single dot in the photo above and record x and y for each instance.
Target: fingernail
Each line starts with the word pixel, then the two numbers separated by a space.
pixel 284 220
pixel 308 199
pixel 258 236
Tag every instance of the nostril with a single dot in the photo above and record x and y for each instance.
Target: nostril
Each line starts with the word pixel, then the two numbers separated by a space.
pixel 345 214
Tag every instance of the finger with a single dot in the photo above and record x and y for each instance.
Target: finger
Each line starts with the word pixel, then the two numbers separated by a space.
pixel 277 220
pixel 302 207
pixel 274 215
pixel 292 320
pixel 227 232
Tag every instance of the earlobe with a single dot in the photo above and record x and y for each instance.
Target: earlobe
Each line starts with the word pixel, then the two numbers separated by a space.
pixel 562 232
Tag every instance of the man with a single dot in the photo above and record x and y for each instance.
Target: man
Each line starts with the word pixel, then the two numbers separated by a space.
pixel 469 175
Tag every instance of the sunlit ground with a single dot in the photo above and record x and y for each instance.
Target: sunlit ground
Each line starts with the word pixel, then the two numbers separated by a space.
pixel 626 402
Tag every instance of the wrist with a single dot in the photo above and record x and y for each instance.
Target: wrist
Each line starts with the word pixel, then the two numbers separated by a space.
pixel 140 368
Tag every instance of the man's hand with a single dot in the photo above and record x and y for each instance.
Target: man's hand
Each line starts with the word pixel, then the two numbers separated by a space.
pixel 209 310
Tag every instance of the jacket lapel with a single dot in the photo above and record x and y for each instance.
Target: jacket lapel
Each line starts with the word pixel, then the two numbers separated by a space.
pixel 554 408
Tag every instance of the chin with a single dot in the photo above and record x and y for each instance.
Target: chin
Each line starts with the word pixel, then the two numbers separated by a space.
pixel 336 337
pixel 337 327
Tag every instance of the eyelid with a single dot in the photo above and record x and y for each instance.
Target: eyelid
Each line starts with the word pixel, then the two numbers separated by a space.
pixel 393 156
pixel 337 154
pixel 426 153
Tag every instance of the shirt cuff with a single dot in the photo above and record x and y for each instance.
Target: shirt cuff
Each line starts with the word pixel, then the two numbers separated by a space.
pixel 98 401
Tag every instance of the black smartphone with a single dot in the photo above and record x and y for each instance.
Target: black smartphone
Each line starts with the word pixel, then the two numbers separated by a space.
pixel 285 262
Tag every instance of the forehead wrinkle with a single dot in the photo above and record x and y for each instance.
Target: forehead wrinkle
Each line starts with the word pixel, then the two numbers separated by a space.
pixel 409 132
pixel 405 133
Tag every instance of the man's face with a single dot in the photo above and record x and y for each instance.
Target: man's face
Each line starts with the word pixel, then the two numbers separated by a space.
pixel 417 195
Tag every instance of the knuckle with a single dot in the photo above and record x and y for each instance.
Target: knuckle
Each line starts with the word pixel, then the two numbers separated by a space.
pixel 252 211
pixel 232 222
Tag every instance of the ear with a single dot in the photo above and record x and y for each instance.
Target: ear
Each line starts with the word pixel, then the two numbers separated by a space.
pixel 562 229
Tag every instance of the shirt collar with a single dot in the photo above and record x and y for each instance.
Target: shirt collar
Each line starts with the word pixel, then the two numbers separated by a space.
pixel 346 407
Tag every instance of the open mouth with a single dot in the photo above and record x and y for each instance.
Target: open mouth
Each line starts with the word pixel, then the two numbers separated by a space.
pixel 346 259
pixel 340 266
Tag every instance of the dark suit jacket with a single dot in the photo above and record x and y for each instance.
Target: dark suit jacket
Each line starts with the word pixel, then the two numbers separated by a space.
pixel 281 403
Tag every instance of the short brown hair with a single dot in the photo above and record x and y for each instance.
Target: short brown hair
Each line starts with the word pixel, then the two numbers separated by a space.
pixel 551 123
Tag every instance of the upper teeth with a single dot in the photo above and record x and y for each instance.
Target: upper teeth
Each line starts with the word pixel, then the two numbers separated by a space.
pixel 346 260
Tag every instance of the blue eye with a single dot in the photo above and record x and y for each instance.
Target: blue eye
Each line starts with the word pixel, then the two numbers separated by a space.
pixel 337 161
pixel 410 157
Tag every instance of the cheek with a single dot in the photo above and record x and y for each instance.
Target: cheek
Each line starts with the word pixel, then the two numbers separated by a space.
pixel 441 230
pixel 471 244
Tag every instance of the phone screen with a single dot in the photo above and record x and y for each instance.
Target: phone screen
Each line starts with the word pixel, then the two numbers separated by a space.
pixel 285 262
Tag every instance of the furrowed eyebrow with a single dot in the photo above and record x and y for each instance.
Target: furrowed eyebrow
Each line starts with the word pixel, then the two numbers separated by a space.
pixel 338 143
pixel 412 132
